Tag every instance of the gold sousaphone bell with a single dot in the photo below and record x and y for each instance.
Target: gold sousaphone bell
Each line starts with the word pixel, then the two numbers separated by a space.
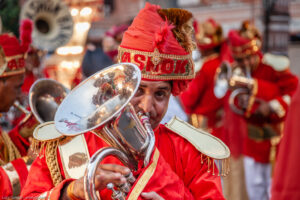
pixel 53 23
pixel 100 104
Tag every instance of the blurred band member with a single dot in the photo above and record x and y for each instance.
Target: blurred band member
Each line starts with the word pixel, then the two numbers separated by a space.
pixel 199 99
pixel 13 146
pixel 204 100
pixel 269 90
pixel 112 40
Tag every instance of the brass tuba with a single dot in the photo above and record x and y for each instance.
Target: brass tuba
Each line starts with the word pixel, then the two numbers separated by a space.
pixel 223 74
pixel 45 96
pixel 53 23
pixel 235 78
pixel 100 104
pixel 241 84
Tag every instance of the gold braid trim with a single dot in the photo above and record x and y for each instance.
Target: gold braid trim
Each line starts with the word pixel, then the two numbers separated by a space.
pixel 145 177
pixel 52 162
pixel 13 152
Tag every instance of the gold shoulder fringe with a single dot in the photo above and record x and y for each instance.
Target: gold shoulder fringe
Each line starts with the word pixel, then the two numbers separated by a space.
pixel 212 149
pixel 12 151
pixel 38 145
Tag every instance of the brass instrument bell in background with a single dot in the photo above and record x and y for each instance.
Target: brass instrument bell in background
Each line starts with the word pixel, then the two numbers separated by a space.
pixel 53 23
pixel 45 96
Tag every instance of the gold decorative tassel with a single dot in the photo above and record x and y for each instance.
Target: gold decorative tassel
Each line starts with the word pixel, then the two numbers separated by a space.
pixel 223 165
pixel 38 146
pixel 208 163
pixel 213 164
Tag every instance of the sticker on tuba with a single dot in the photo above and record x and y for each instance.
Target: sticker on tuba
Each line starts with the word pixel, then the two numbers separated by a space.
pixel 53 23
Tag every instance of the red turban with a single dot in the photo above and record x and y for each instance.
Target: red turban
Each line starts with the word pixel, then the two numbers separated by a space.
pixel 14 52
pixel 208 34
pixel 159 42
pixel 244 42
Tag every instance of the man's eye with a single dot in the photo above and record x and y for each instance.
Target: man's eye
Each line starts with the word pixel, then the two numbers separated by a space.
pixel 160 94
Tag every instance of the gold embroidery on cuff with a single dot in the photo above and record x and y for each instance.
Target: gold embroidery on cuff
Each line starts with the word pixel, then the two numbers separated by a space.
pixel 277 108
pixel 287 99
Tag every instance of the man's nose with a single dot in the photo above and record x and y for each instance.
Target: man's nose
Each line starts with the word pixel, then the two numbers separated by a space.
pixel 146 103
pixel 245 62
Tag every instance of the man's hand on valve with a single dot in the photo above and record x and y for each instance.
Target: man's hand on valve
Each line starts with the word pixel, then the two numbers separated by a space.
pixel 106 173
pixel 263 109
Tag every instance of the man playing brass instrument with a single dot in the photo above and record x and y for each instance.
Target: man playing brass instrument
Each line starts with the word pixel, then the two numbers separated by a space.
pixel 13 146
pixel 159 42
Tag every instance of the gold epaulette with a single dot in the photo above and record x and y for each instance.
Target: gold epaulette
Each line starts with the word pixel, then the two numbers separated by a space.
pixel 208 145
pixel 47 137
pixel 73 151
pixel 10 151
pixel 43 134
pixel 277 62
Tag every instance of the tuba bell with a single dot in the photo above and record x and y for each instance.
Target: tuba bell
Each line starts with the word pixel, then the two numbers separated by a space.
pixel 102 107
pixel 53 23
pixel 241 84
pixel 45 96
pixel 223 74
pixel 236 78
